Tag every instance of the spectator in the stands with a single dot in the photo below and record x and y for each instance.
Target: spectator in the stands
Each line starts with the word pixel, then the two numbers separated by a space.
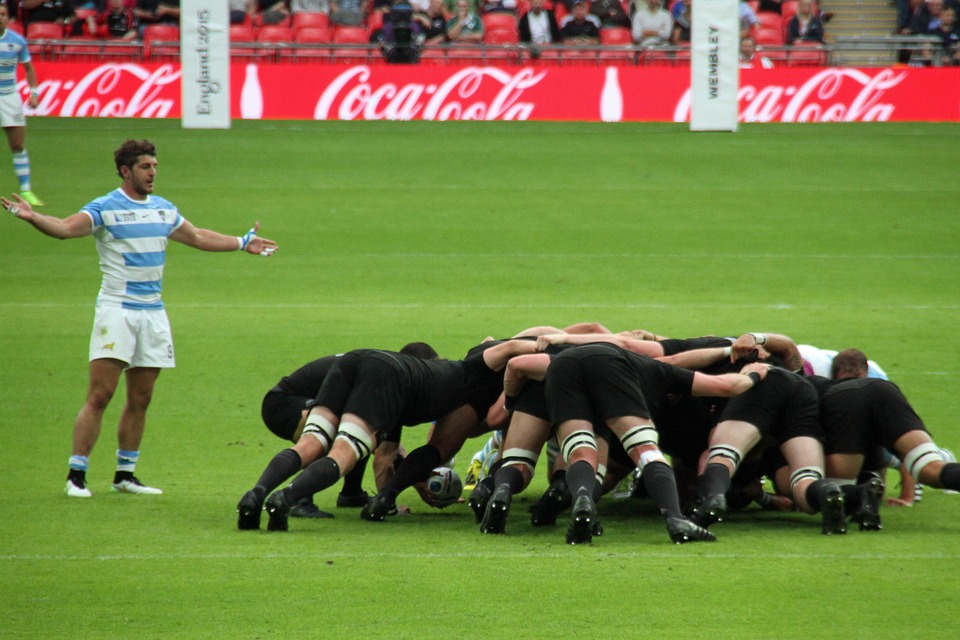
pixel 652 25
pixel 538 25
pixel 681 24
pixel 349 13
pixel 580 27
pixel 749 58
pixel 56 11
pixel 465 26
pixel 242 10
pixel 748 19
pixel 805 25
pixel 610 13
pixel 116 21
pixel 433 23
pixel 948 34
pixel 150 12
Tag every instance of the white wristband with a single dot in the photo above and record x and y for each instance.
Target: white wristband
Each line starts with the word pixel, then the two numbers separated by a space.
pixel 727 351
pixel 759 338
pixel 240 243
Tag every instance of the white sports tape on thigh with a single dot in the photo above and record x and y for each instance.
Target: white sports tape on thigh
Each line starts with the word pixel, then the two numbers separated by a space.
pixel 357 437
pixel 919 457
pixel 321 429
pixel 650 456
pixel 727 451
pixel 638 436
pixel 522 457
pixel 576 440
pixel 805 473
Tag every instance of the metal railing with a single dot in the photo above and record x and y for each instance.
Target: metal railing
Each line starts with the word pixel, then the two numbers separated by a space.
pixel 869 51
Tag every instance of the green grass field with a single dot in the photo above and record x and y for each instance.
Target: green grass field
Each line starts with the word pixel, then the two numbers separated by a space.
pixel 838 235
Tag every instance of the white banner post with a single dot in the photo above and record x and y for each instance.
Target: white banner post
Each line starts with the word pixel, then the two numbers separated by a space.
pixel 714 65
pixel 205 64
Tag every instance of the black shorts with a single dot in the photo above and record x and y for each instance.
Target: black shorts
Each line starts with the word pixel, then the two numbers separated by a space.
pixel 783 406
pixel 858 414
pixel 367 386
pixel 532 400
pixel 594 382
pixel 282 412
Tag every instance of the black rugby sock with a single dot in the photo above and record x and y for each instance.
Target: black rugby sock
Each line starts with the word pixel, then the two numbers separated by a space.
pixel 316 477
pixel 581 477
pixel 353 481
pixel 813 494
pixel 715 480
pixel 661 485
pixel 416 467
pixel 284 465
pixel 851 496
pixel 510 475
pixel 950 476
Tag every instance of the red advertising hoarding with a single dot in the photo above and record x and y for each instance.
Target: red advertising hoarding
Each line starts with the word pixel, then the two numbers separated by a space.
pixel 398 92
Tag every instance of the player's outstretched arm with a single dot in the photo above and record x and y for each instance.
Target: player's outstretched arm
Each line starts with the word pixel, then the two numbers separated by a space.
pixel 207 240
pixel 76 226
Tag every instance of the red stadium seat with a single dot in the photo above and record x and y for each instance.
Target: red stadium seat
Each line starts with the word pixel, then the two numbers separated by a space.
pixel 788 8
pixel 312 35
pixel 313 20
pixel 242 33
pixel 350 35
pixel 161 41
pixel 616 36
pixel 274 33
pixel 768 36
pixel 44 31
pixel 769 20
pixel 501 36
pixel 258 21
pixel 242 38
pixel 807 54
pixel 499 20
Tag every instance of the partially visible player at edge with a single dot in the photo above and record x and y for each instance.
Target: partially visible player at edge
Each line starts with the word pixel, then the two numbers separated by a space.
pixel 13 50
pixel 131 332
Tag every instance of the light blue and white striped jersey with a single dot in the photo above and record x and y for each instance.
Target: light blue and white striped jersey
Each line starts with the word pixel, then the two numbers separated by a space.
pixel 13 51
pixel 132 243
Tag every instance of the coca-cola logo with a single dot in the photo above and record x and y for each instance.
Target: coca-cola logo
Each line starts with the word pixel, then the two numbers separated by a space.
pixel 832 95
pixel 120 90
pixel 472 93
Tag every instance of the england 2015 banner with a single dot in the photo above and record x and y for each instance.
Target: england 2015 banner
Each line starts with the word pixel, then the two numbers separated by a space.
pixel 714 65
pixel 205 64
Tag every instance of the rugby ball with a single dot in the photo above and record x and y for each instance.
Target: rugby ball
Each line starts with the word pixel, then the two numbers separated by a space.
pixel 446 485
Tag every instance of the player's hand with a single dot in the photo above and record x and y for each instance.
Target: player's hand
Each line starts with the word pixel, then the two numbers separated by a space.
pixel 543 342
pixel 758 368
pixel 252 243
pixel 18 207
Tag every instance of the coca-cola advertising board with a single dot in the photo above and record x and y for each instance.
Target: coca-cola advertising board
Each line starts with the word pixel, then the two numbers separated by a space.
pixel 388 92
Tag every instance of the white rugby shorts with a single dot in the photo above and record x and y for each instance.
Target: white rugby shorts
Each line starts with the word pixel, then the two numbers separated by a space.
pixel 11 111
pixel 139 337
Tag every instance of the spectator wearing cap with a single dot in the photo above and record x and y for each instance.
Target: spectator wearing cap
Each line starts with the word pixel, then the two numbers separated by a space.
pixel 580 27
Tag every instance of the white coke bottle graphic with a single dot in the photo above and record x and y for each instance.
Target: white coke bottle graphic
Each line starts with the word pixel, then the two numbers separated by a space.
pixel 251 95
pixel 611 98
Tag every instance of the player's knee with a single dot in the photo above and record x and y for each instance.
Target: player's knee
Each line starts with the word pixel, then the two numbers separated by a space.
pixel 577 440
pixel 726 454
pixel 803 476
pixel 320 429
pixel 520 457
pixel 357 438
pixel 920 457
pixel 639 436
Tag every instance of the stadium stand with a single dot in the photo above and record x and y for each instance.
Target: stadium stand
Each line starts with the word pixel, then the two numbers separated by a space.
pixel 858 34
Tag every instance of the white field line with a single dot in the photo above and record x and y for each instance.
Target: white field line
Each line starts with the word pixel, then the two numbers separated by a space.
pixel 470 555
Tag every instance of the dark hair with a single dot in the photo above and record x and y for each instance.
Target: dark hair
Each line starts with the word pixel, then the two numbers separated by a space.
pixel 850 363
pixel 130 151
pixel 420 350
